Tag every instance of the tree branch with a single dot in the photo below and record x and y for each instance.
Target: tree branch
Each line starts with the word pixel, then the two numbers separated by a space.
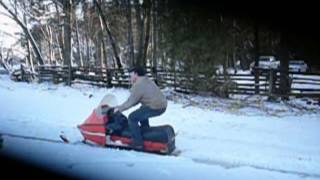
pixel 26 31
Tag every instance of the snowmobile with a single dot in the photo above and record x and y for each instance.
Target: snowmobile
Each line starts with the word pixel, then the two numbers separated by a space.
pixel 105 128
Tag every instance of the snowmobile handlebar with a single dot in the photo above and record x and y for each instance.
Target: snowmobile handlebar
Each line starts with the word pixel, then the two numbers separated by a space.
pixel 110 112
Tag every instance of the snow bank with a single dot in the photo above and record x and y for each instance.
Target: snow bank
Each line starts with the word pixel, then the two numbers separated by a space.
pixel 218 138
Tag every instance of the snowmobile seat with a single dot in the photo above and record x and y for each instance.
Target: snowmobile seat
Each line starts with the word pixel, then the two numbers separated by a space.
pixel 118 125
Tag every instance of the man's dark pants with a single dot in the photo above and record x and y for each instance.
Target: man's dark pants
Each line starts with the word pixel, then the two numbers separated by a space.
pixel 141 115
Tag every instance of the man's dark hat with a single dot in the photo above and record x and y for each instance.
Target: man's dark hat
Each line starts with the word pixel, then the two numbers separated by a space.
pixel 137 69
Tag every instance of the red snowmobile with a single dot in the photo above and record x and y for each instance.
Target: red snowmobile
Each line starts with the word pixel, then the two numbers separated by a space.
pixel 110 129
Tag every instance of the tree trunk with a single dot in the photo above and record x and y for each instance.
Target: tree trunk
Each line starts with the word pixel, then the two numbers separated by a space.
pixel 284 64
pixel 100 42
pixel 130 34
pixel 50 44
pixel 59 36
pixel 234 46
pixel 257 49
pixel 78 43
pixel 161 51
pixel 87 48
pixel 29 56
pixel 3 63
pixel 112 41
pixel 101 56
pixel 140 27
pixel 154 34
pixel 104 52
pixel 59 47
pixel 67 8
pixel 146 41
pixel 26 31
pixel 30 59
pixel 86 20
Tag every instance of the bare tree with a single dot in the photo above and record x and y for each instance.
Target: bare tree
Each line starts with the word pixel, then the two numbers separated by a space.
pixel 67 8
pixel 29 50
pixel 111 38
pixel 78 43
pixel 147 33
pixel 86 29
pixel 100 44
pixel 26 31
pixel 284 63
pixel 154 32
pixel 140 31
pixel 59 35
pixel 257 49
pixel 130 33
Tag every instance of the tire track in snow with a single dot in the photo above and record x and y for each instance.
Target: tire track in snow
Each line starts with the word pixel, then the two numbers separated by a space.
pixel 230 165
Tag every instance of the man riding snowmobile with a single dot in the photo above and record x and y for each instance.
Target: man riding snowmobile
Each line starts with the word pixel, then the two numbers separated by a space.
pixel 153 103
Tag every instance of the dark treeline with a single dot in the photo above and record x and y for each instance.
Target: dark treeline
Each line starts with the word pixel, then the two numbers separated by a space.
pixel 189 35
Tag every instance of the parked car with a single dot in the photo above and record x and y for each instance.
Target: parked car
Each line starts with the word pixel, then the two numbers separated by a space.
pixel 266 62
pixel 298 66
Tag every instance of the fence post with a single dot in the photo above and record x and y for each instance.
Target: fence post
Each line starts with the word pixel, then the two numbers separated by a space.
pixel 256 80
pixel 109 78
pixel 155 75
pixel 174 79
pixel 271 84
pixel 116 77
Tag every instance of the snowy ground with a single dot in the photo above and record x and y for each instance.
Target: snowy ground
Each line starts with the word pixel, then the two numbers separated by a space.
pixel 219 138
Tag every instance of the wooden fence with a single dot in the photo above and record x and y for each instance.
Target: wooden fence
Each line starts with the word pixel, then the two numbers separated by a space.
pixel 302 84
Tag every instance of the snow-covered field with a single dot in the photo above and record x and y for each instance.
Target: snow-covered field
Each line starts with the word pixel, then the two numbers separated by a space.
pixel 218 138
